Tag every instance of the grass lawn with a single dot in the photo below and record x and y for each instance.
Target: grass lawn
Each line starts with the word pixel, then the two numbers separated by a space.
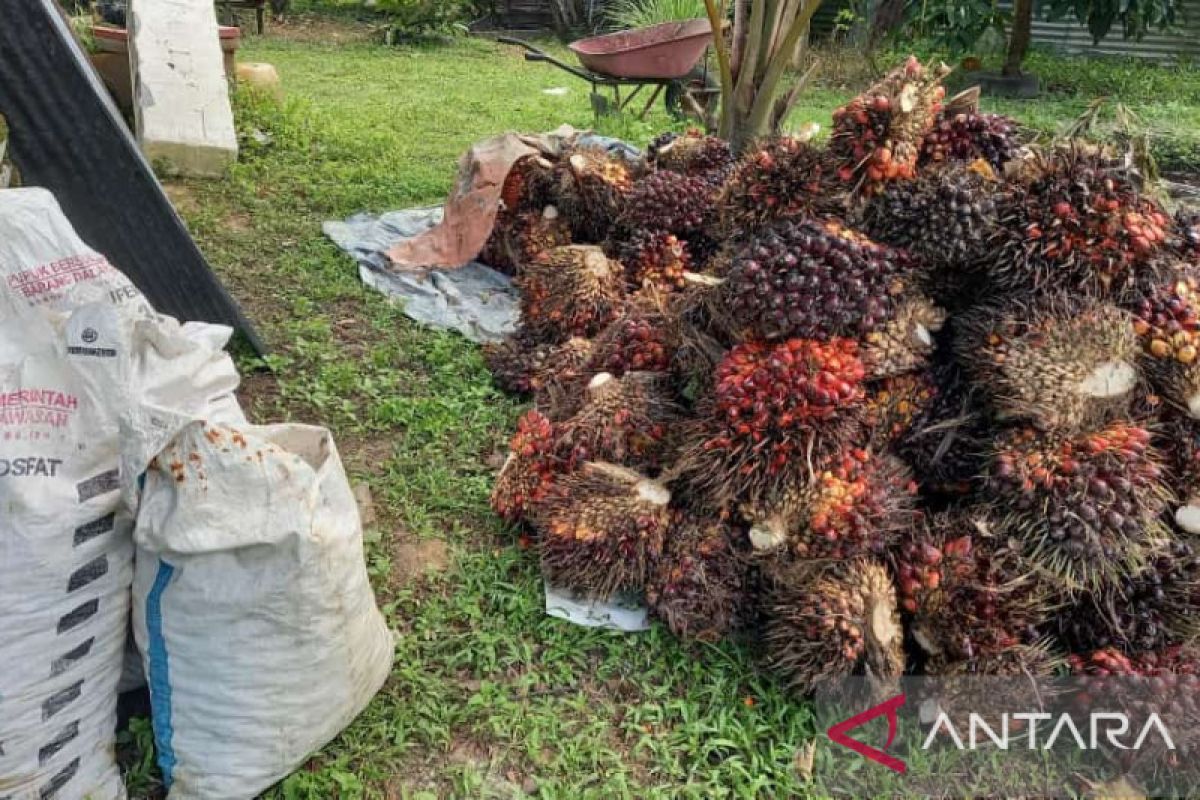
pixel 489 697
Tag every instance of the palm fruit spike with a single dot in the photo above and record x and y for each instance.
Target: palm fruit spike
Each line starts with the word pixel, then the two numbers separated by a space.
pixel 667 201
pixel 1167 323
pixel 856 504
pixel 1148 610
pixel 692 153
pixel 602 527
pixel 530 470
pixel 569 291
pixel 966 589
pixel 592 187
pixel 783 179
pixel 877 136
pixel 623 420
pixel 1087 506
pixel 826 625
pixel 521 365
pixel 640 340
pixel 698 586
pixel 654 258
pixel 945 448
pixel 518 239
pixel 966 136
pixel 1076 224
pixel 895 405
pixel 774 408
pixel 692 318
pixel 946 217
pixel 815 280
pixel 906 342
pixel 1061 361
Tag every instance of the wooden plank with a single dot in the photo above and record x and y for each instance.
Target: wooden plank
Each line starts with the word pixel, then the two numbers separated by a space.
pixel 181 94
pixel 66 136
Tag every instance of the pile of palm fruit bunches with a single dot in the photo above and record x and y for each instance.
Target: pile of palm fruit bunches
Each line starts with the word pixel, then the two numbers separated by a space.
pixel 924 399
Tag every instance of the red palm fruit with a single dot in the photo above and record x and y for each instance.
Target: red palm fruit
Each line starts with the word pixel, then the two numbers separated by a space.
pixel 623 420
pixel 1060 361
pixel 813 279
pixel 698 585
pixel 602 527
pixel 640 340
pixel 1074 222
pixel 527 187
pixel 532 467
pixel 773 408
pixel 569 291
pixel 782 179
pixel 856 504
pixel 824 625
pixel 1086 507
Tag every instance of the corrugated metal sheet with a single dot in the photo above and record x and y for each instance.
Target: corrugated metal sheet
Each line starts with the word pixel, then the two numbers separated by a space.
pixel 67 137
pixel 1071 37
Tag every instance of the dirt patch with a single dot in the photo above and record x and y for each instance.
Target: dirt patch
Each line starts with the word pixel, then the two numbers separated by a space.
pixel 260 398
pixel 412 560
pixel 182 197
pixel 324 29
pixel 238 222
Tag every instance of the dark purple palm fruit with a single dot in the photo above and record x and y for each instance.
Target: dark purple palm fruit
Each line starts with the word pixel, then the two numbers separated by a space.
pixel 966 136
pixel 692 153
pixel 781 179
pixel 698 587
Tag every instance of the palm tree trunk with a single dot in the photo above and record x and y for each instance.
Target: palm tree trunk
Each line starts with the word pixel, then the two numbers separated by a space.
pixel 1018 40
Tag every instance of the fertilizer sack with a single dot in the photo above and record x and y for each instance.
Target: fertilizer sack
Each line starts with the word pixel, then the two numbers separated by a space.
pixel 252 608
pixel 65 555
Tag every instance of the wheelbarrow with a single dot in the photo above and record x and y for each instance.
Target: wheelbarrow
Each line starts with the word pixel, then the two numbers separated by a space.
pixel 665 56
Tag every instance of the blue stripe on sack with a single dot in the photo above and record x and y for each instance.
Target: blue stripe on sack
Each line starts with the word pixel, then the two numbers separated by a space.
pixel 160 676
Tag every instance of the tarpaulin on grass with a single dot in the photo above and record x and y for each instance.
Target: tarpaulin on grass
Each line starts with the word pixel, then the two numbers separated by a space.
pixel 473 299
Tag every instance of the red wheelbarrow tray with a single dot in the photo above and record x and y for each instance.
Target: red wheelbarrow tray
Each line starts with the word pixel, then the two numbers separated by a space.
pixel 666 51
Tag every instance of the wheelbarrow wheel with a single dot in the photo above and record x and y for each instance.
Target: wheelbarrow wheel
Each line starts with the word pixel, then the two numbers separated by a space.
pixel 696 97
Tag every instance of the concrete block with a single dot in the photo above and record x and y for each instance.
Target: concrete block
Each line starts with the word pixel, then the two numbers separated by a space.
pixel 182 112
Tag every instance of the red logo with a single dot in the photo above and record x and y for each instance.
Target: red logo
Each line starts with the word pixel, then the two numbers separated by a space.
pixel 890 708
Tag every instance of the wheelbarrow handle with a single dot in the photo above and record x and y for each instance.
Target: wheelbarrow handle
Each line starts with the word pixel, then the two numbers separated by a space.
pixel 532 54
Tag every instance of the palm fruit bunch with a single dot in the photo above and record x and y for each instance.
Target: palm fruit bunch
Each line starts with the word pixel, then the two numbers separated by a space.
pixel 698 585
pixel 1078 223
pixel 601 529
pixel 855 504
pixel 773 407
pixel 529 185
pixel 946 218
pixel 532 466
pixel 519 238
pixel 623 420
pixel 520 364
pixel 1167 324
pixel 569 291
pixel 969 594
pixel 814 280
pixel 782 179
pixel 1087 506
pixel 1179 440
pixel 906 342
pixel 655 259
pixel 671 202
pixel 1059 361
pixel 640 340
pixel 945 446
pixel 1187 223
pixel 591 191
pixel 966 136
pixel 823 625
pixel 895 405
pixel 1147 610
pixel 877 136
pixel 692 153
